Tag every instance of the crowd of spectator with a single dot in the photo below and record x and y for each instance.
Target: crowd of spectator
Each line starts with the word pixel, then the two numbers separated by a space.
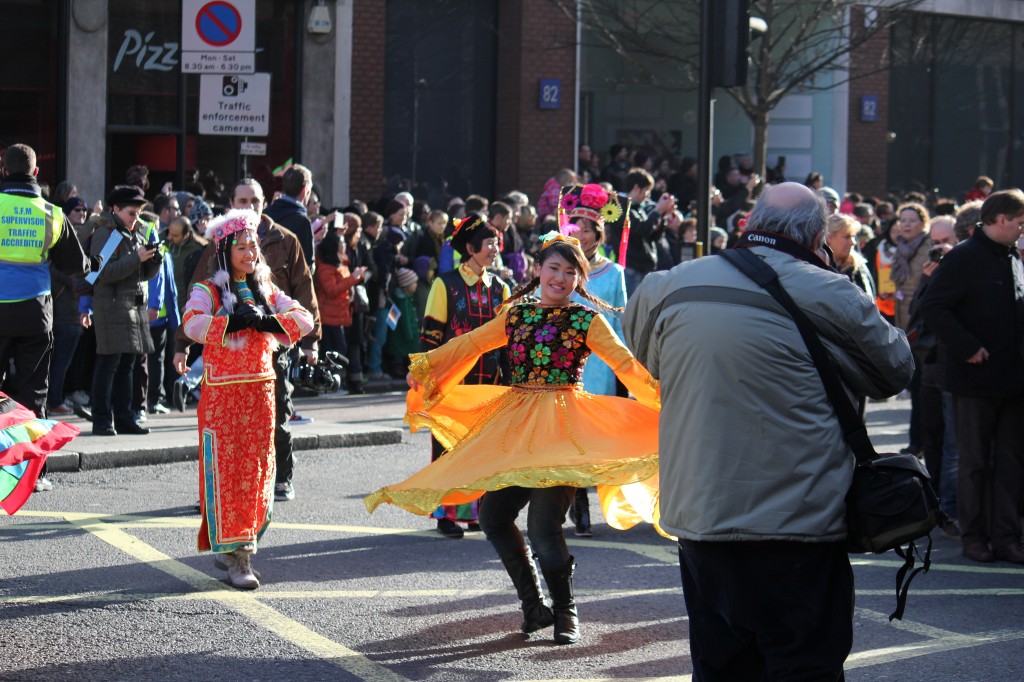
pixel 372 265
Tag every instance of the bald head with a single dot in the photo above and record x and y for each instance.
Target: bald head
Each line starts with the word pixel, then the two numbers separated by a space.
pixel 792 210
pixel 788 195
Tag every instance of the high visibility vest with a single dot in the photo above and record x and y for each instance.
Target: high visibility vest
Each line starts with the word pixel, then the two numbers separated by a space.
pixel 883 266
pixel 29 227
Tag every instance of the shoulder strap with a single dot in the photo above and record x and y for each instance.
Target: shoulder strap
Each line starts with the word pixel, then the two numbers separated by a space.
pixel 677 296
pixel 854 432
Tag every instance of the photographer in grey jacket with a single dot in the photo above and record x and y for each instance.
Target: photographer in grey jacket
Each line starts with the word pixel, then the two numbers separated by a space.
pixel 753 465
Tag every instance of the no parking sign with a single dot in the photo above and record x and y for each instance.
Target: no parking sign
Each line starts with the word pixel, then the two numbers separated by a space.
pixel 218 36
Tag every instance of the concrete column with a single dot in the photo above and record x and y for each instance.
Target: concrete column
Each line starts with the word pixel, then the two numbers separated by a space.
pixel 87 98
pixel 318 84
pixel 342 102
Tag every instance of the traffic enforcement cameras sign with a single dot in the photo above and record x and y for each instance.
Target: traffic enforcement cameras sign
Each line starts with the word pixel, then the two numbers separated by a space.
pixel 234 105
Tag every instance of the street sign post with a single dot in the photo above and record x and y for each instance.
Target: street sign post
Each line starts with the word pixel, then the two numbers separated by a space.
pixel 218 36
pixel 234 105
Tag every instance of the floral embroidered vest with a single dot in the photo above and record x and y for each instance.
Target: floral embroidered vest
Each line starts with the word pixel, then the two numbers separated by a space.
pixel 547 346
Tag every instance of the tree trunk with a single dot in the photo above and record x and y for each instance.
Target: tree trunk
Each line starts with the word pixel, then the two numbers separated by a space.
pixel 760 121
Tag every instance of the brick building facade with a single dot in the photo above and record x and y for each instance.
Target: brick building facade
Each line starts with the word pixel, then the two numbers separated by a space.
pixel 867 142
pixel 536 40
pixel 366 155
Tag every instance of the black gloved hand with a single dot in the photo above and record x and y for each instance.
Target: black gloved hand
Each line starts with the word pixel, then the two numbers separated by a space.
pixel 244 317
pixel 269 324
pixel 237 323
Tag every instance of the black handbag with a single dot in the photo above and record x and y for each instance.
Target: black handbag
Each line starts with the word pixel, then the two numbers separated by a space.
pixel 891 501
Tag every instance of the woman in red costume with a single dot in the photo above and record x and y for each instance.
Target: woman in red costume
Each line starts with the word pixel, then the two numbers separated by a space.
pixel 240 317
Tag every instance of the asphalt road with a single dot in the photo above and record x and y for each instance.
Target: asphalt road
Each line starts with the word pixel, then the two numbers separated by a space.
pixel 101 581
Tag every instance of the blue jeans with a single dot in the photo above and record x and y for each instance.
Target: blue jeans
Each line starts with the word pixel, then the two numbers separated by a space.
pixel 544 519
pixel 65 340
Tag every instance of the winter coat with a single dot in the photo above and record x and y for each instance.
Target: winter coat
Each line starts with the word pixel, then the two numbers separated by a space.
pixel 120 293
pixel 976 300
pixel 333 285
pixel 750 448
pixel 290 214
pixel 905 292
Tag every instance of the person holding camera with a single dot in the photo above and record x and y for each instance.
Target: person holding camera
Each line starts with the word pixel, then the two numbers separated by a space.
pixel 241 317
pixel 646 228
pixel 120 318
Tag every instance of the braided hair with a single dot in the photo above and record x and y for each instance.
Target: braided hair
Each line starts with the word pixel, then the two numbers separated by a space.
pixel 572 254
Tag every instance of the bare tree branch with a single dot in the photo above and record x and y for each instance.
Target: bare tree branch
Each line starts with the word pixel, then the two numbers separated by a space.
pixel 804 40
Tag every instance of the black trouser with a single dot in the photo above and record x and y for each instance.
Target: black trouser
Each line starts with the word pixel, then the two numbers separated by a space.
pixel 283 412
pixel 354 341
pixel 498 512
pixel 990 438
pixel 31 356
pixel 767 610
pixel 112 390
pixel 933 431
pixel 140 382
pixel 65 339
pixel 333 338
pixel 162 373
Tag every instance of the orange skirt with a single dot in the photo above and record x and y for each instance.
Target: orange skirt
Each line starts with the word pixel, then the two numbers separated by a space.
pixel 534 437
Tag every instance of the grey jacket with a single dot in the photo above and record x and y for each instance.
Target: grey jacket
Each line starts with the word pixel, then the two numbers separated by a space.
pixel 120 293
pixel 750 448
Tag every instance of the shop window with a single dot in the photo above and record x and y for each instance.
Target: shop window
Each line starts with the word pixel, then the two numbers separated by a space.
pixel 29 83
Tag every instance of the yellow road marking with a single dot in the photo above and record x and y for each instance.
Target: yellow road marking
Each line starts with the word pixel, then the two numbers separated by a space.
pixel 110 528
pixel 261 614
pixel 466 593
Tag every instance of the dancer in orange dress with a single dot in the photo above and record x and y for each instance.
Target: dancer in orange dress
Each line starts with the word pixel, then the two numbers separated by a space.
pixel 536 440
pixel 241 317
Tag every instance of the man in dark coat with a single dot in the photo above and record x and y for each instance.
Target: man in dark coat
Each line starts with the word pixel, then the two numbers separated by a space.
pixel 975 306
pixel 120 318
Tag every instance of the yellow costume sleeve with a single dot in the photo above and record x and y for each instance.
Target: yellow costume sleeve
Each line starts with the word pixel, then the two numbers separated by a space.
pixel 445 367
pixel 437 302
pixel 606 345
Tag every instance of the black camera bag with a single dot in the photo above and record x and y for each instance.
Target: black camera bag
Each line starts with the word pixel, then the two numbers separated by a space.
pixel 891 501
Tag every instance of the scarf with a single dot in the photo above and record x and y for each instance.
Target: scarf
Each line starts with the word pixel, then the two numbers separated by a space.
pixel 901 269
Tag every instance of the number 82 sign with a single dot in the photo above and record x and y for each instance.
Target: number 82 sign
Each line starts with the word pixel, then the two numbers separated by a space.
pixel 550 93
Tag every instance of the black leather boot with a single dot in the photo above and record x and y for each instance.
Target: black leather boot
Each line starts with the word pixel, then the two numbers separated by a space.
pixel 536 614
pixel 581 513
pixel 567 623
